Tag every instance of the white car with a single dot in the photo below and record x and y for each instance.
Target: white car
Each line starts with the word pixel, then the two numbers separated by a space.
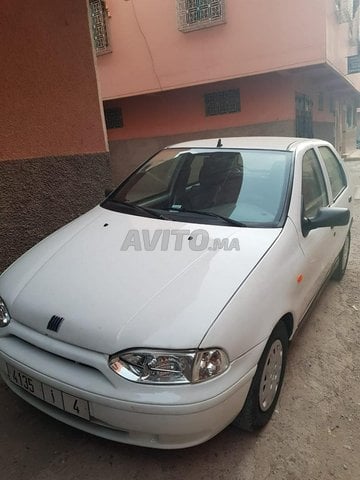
pixel 165 313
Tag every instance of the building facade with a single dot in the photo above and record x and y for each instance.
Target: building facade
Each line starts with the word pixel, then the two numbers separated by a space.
pixel 54 160
pixel 180 69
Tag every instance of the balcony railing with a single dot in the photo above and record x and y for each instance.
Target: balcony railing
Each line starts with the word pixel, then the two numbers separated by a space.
pixel 99 26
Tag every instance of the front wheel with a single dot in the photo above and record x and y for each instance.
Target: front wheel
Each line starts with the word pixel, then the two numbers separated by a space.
pixel 266 384
pixel 343 259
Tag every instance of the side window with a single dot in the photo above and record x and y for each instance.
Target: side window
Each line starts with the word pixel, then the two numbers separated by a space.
pixel 313 185
pixel 335 171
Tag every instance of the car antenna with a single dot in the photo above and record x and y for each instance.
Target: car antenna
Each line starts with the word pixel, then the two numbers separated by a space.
pixel 219 144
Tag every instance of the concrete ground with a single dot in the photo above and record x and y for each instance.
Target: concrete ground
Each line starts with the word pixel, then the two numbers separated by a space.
pixel 354 155
pixel 314 433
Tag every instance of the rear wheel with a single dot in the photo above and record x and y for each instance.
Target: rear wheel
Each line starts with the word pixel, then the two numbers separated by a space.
pixel 266 384
pixel 343 259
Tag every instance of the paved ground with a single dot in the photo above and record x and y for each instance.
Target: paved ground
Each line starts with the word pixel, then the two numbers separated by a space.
pixel 314 434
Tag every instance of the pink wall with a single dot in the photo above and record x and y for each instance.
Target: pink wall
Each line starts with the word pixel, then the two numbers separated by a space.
pixel 49 97
pixel 150 54
pixel 265 98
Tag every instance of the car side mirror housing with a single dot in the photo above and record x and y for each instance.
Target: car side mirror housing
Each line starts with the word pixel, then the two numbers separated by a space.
pixel 327 217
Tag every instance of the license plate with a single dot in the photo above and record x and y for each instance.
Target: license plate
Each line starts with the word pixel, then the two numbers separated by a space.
pixel 63 401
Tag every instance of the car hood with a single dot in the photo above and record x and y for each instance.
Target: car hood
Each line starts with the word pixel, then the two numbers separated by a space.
pixel 112 299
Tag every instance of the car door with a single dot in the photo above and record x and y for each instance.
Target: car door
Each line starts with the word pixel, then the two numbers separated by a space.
pixel 314 244
pixel 339 192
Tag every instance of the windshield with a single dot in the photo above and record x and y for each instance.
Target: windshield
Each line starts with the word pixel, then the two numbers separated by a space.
pixel 209 186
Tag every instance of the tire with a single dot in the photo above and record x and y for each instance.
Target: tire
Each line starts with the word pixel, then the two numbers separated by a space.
pixel 343 259
pixel 261 401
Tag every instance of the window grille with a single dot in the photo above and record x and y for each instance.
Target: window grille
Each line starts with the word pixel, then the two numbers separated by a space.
pixel 113 118
pixel 220 103
pixel 197 14
pixel 99 25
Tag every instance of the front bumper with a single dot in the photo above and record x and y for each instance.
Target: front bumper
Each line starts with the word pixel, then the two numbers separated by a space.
pixel 174 416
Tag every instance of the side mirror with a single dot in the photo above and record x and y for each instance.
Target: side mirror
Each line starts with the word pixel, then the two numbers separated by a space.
pixel 327 217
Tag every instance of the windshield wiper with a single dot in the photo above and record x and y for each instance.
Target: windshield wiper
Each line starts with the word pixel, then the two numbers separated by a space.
pixel 228 220
pixel 141 209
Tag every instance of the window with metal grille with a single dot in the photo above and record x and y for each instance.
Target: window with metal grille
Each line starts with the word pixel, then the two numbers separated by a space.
pixel 99 26
pixel 219 103
pixel 196 14
pixel 113 118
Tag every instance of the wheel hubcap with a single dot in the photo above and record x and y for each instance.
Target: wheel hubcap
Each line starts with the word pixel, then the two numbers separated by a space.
pixel 270 378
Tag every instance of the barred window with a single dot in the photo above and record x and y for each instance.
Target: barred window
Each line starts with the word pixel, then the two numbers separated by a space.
pixel 99 24
pixel 219 103
pixel 113 118
pixel 196 14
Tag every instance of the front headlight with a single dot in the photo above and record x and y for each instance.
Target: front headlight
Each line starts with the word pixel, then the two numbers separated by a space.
pixel 4 314
pixel 157 366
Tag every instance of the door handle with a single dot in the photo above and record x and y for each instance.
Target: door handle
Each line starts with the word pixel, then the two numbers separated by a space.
pixel 350 199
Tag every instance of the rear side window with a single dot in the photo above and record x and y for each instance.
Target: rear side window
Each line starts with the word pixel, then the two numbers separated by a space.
pixel 313 185
pixel 335 171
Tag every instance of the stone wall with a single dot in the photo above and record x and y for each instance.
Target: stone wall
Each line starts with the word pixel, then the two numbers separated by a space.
pixel 39 195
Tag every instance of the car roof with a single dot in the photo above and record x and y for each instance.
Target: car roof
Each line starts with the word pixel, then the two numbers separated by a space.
pixel 260 143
